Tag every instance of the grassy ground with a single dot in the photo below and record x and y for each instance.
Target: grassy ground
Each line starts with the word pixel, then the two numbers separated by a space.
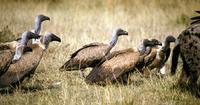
pixel 80 22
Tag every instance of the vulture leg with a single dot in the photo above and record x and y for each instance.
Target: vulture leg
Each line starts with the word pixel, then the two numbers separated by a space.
pixel 125 78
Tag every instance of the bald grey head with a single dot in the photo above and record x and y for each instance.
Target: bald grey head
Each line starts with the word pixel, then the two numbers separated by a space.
pixel 49 37
pixel 156 42
pixel 168 40
pixel 26 36
pixel 38 21
pixel 148 43
pixel 116 33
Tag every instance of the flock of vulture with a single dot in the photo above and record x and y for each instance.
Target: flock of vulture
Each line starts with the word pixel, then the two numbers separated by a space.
pixel 19 59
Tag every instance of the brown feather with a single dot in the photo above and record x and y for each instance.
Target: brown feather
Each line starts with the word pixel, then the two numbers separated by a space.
pixel 149 58
pixel 87 56
pixel 22 68
pixel 5 60
pixel 8 45
pixel 118 63
pixel 152 61
pixel 6 55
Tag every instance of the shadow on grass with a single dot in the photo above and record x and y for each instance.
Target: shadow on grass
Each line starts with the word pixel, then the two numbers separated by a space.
pixel 186 88
pixel 55 85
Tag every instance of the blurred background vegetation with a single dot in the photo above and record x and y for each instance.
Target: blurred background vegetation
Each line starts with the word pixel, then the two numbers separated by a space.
pixel 79 22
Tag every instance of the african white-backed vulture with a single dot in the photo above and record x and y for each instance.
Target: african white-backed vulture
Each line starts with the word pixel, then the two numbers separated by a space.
pixel 158 57
pixel 119 63
pixel 26 66
pixel 91 54
pixel 13 49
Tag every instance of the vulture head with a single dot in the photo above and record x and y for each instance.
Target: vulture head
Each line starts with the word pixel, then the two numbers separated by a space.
pixel 120 32
pixel 41 18
pixel 38 21
pixel 151 43
pixel 47 38
pixel 170 38
pixel 156 42
pixel 144 47
pixel 116 33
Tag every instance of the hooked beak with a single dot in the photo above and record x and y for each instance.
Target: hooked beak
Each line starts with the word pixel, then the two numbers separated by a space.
pixel 47 18
pixel 55 38
pixel 125 33
pixel 159 43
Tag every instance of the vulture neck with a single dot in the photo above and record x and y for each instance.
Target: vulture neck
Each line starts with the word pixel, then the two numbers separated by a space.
pixel 166 46
pixel 37 26
pixel 114 39
pixel 37 51
pixel 142 48
pixel 20 48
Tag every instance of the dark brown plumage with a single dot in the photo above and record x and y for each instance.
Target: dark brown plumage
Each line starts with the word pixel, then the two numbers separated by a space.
pixel 118 63
pixel 7 50
pixel 26 66
pixel 89 55
pixel 5 60
pixel 158 56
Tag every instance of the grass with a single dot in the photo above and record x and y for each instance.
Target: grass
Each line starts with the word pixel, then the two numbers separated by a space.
pixel 80 22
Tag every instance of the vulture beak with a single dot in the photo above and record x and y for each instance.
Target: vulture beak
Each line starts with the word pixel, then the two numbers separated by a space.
pixel 55 38
pixel 125 33
pixel 47 18
pixel 159 43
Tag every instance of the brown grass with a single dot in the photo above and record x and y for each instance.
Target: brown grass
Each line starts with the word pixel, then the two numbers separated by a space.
pixel 80 22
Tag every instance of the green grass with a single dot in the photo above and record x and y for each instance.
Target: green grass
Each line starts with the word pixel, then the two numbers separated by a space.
pixel 80 22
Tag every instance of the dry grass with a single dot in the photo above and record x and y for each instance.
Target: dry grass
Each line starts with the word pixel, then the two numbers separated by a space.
pixel 80 22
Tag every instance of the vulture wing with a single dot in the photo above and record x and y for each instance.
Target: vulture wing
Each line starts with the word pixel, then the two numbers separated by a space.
pixel 119 63
pixel 5 60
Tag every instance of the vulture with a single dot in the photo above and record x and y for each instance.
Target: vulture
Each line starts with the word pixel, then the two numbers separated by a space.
pixel 14 50
pixel 188 48
pixel 38 23
pixel 26 66
pixel 158 56
pixel 119 63
pixel 91 54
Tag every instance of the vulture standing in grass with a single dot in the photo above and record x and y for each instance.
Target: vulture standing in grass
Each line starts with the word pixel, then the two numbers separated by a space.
pixel 158 57
pixel 91 54
pixel 188 47
pixel 120 63
pixel 26 66
pixel 8 52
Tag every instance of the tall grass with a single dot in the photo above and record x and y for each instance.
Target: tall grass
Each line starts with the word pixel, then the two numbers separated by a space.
pixel 80 22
